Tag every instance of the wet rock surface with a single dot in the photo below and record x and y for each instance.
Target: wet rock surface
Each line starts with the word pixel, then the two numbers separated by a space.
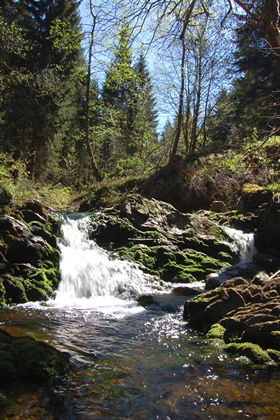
pixel 179 247
pixel 27 359
pixel 245 312
pixel 29 257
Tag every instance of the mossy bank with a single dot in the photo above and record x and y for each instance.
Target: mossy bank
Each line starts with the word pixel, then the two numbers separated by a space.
pixel 29 256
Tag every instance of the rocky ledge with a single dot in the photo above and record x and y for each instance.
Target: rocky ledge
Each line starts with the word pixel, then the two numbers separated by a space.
pixel 29 256
pixel 178 247
pixel 23 358
pixel 244 314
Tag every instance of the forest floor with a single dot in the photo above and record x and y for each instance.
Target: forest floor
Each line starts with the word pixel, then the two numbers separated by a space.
pixel 189 184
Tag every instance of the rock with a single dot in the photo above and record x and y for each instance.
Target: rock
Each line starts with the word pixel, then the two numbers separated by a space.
pixel 247 311
pixel 269 229
pixel 13 226
pixel 153 215
pixel 252 351
pixel 36 207
pixel 178 247
pixel 218 207
pixel 245 270
pixel 185 291
pixel 5 196
pixel 29 262
pixel 253 196
pixel 27 359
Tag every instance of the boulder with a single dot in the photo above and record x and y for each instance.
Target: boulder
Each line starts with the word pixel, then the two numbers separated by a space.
pixel 26 359
pixel 253 196
pixel 178 247
pixel 29 260
pixel 244 311
pixel 269 229
pixel 218 207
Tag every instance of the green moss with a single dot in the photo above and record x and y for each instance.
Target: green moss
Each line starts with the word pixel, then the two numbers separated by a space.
pixel 26 358
pixel 225 257
pixel 216 331
pixel 143 255
pixel 275 339
pixel 252 351
pixel 178 273
pixel 14 290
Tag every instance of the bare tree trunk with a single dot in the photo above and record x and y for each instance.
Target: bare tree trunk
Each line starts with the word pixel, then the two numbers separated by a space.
pixel 181 104
pixel 95 171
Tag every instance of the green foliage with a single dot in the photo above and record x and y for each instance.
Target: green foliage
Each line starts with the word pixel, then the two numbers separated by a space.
pixel 42 82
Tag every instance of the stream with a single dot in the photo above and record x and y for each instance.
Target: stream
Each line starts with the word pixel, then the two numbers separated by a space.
pixel 128 362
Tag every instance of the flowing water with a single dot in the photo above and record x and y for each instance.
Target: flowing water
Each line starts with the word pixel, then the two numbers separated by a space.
pixel 128 362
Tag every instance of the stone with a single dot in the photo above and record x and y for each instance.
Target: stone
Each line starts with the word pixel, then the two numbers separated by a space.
pixel 25 358
pixel 253 196
pixel 185 291
pixel 245 270
pixel 218 207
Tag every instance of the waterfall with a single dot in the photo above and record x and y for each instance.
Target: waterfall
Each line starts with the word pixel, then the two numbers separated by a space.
pixel 90 275
pixel 245 246
pixel 244 243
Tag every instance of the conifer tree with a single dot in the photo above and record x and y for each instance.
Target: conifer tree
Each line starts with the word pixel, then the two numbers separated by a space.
pixel 145 115
pixel 118 97
pixel 44 103
pixel 256 89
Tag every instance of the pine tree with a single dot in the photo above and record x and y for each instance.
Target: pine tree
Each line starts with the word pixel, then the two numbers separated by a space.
pixel 145 115
pixel 44 104
pixel 256 90
pixel 118 97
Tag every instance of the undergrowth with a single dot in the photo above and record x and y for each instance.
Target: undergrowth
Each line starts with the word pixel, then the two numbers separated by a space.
pixel 187 184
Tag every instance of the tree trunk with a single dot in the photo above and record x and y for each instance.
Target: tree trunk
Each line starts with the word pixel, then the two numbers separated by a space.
pixel 95 171
pixel 181 105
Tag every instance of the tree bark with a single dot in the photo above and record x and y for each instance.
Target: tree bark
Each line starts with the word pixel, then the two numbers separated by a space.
pixel 181 105
pixel 95 171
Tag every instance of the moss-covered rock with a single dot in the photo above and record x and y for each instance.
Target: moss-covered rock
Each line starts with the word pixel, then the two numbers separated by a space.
pixel 216 331
pixel 29 255
pixel 176 246
pixel 252 351
pixel 242 312
pixel 252 196
pixel 28 359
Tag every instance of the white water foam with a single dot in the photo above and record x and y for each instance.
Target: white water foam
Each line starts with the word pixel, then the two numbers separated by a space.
pixel 244 243
pixel 91 278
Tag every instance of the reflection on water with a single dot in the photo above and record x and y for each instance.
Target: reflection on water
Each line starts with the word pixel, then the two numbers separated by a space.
pixel 144 366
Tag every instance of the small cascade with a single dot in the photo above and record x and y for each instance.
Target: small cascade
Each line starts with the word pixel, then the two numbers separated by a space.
pixel 244 243
pixel 90 273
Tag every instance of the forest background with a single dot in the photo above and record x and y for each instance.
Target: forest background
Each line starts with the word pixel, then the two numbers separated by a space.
pixel 175 98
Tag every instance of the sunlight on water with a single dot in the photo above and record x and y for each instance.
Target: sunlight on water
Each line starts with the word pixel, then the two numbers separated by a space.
pixel 128 362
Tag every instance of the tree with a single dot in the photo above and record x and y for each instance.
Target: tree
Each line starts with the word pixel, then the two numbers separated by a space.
pixel 118 97
pixel 94 167
pixel 144 113
pixel 221 122
pixel 43 105
pixel 256 89
pixel 265 16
